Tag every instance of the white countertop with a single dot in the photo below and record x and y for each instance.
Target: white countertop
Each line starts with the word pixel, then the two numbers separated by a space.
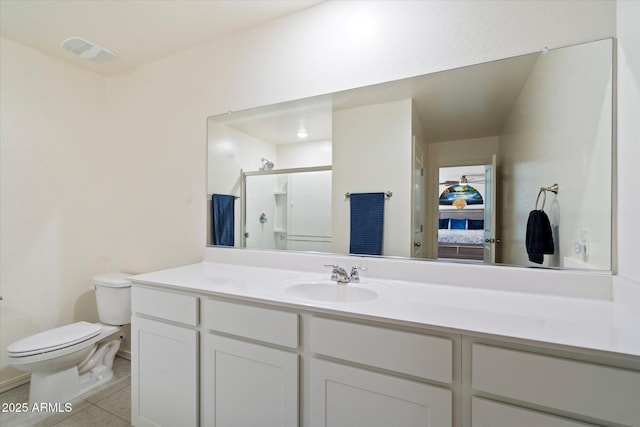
pixel 588 323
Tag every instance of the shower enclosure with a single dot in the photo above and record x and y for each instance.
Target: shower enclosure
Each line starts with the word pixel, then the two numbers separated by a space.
pixel 287 209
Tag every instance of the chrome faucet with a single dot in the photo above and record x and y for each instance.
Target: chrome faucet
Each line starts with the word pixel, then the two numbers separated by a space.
pixel 354 276
pixel 340 275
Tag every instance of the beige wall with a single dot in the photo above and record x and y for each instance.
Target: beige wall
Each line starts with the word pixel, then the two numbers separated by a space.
pixel 372 153
pixel 56 172
pixel 562 120
pixel 304 154
pixel 151 207
pixel 229 153
pixel 628 159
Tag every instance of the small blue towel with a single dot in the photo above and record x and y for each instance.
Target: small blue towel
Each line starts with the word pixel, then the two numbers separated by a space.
pixel 367 223
pixel 222 206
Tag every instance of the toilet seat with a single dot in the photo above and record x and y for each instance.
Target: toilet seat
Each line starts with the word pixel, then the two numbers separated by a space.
pixel 54 339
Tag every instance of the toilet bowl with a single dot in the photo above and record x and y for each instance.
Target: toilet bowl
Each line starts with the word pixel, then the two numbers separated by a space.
pixel 70 360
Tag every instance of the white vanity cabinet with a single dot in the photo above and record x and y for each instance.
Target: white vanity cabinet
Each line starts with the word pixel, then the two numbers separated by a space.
pixel 377 392
pixel 211 360
pixel 249 374
pixel 559 391
pixel 164 364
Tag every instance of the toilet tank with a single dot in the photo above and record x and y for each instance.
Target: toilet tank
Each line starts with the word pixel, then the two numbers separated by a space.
pixel 113 297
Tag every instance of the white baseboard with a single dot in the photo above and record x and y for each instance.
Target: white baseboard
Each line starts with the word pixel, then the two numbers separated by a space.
pixel 15 382
pixel 125 354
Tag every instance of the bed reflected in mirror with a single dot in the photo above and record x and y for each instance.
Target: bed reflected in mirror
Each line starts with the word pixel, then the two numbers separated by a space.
pixel 461 214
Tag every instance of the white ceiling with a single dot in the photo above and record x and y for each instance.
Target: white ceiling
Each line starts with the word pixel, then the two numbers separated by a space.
pixel 138 31
pixel 469 102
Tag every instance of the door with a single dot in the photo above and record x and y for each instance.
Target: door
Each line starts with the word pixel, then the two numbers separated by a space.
pixel 418 198
pixel 490 240
pixel 246 384
pixel 345 396
pixel 164 381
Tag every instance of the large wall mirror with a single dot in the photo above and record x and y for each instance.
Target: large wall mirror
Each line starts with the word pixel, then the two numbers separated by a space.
pixel 454 166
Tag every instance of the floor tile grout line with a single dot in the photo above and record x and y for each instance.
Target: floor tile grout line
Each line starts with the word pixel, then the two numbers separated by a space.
pixel 73 415
pixel 108 410
pixel 125 385
pixel 86 408
pixel 114 414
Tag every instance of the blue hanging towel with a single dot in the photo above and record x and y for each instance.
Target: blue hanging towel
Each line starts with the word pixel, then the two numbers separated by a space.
pixel 222 206
pixel 367 223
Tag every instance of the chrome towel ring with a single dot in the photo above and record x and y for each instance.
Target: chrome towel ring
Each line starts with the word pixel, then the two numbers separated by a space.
pixel 543 190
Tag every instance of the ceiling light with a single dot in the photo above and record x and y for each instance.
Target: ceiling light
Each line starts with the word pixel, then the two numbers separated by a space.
pixel 87 50
pixel 302 133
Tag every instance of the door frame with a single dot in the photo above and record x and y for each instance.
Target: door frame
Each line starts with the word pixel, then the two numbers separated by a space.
pixel 433 184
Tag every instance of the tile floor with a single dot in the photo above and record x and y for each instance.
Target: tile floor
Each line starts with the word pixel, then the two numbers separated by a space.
pixel 106 406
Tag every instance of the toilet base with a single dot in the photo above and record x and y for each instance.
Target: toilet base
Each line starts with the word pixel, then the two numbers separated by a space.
pixel 54 387
pixel 64 385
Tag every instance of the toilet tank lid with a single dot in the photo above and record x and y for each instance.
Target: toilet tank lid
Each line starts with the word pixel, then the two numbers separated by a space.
pixel 113 280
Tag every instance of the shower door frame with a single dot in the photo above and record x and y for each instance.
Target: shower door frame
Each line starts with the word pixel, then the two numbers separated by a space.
pixel 243 190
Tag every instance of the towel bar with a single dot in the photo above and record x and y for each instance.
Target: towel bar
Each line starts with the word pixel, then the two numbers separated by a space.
pixel 210 195
pixel 387 194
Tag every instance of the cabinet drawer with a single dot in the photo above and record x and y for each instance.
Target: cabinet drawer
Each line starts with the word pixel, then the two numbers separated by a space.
pixel 262 324
pixel 413 354
pixel 165 305
pixel 485 413
pixel 597 391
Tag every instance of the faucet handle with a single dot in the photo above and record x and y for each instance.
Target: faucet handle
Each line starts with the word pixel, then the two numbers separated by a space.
pixel 355 276
pixel 334 272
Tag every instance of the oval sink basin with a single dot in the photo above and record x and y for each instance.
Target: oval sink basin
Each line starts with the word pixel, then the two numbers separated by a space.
pixel 331 292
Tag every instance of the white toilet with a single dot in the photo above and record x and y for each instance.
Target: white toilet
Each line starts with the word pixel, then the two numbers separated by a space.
pixel 69 360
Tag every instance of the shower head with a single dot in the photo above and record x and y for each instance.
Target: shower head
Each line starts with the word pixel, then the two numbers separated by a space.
pixel 267 165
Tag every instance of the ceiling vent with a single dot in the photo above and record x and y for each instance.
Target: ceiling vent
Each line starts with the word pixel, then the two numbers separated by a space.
pixel 88 50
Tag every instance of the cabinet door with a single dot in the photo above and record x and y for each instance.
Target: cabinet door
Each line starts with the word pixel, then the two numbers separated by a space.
pixel 247 384
pixel 164 382
pixel 344 396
